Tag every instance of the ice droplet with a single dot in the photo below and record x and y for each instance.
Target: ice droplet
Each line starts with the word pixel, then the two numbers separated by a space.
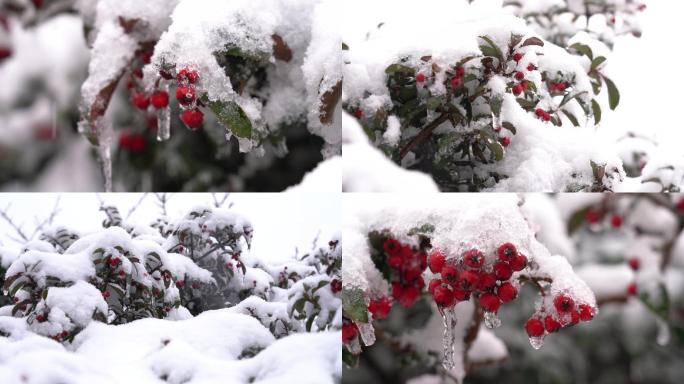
pixel 354 346
pixel 491 320
pixel 164 119
pixel 367 333
pixel 663 337
pixel 449 321
pixel 104 150
pixel 537 342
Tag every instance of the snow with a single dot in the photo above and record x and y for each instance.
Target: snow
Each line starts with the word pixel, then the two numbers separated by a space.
pixel 326 177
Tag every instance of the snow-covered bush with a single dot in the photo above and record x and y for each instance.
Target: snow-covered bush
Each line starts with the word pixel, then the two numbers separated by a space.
pixel 482 99
pixel 457 260
pixel 128 73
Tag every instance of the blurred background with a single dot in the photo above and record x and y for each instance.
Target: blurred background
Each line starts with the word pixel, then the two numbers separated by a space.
pixel 615 243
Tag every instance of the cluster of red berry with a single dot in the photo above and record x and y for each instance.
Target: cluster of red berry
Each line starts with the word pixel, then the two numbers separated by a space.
pixel 567 314
pixel 132 141
pixel 471 274
pixel 336 286
pixel 596 215
pixel 634 264
pixel 349 331
pixel 186 94
pixel 407 267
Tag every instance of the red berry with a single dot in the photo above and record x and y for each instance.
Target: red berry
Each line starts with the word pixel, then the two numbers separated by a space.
pixel 114 261
pixel 138 73
pixel 586 312
pixel 349 332
pixel 632 289
pixel 551 324
pixel 408 295
pixel 193 118
pixel 531 67
pixel 460 71
pixel 534 327
pixel 449 274
pixel 455 82
pixel 519 262
pixel 517 89
pixel 486 281
pixel 411 274
pixel 524 85
pixel 505 141
pixel 564 303
pixel 507 292
pixel 358 113
pixel 420 77
pixel 469 280
pixel 489 302
pixel 5 53
pixel 394 261
pixel 539 112
pixel 593 216
pixel 502 271
pixel 460 294
pixel 40 318
pixel 574 317
pixel 140 100
pixel 616 221
pixel 165 74
pixel 122 273
pixel 519 75
pixel 380 308
pixel 473 258
pixel 160 99
pixel 434 283
pixel 436 261
pixel 64 334
pixel 187 74
pixel 392 247
pixel 507 252
pixel 421 258
pixel 634 263
pixel 517 56
pixel 443 296
pixel 680 205
pixel 180 283
pixel 185 94
pixel 335 286
pixel 105 294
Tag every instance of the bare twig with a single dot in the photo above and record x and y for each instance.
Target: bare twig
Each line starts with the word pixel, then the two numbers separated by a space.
pixel 162 199
pixel 135 207
pixel 219 202
pixel 48 220
pixel 17 227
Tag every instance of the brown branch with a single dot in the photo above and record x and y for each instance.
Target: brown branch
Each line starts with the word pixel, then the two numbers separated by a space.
pixel 423 135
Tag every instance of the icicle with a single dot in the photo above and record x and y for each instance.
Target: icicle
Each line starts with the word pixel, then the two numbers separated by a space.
pixel 491 320
pixel 164 119
pixel 537 342
pixel 449 321
pixel 354 346
pixel 367 333
pixel 663 337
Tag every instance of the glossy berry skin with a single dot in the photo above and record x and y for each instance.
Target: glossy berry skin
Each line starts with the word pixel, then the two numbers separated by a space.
pixel 507 292
pixel 140 100
pixel 349 332
pixel 519 262
pixel 460 71
pixel 455 82
pixel 506 252
pixel 489 302
pixel 408 296
pixel 487 281
pixel 436 261
pixel 193 118
pixel 105 294
pixel 563 303
pixel 632 289
pixel 473 258
pixel 358 114
pixel 434 283
pixel 160 99
pixel 180 283
pixel 380 308
pixel 443 296
pixel 531 67
pixel 534 327
pixel 517 56
pixel 420 78
pixel 505 141
pixel 517 89
pixel 616 221
pixel 574 317
pixel 450 274
pixel 40 318
pixel 185 94
pixel 551 324
pixel 586 312
pixel 634 263
pixel 468 280
pixel 593 216
pixel 519 75
pixel 392 247
pixel 502 271
pixel 187 74
pixel 394 261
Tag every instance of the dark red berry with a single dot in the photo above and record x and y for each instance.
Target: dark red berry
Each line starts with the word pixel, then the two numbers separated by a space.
pixel 502 271
pixel 517 89
pixel 443 296
pixel 395 261
pixel 487 281
pixel 349 332
pixel 468 280
pixel 507 292
pixel 505 141
pixel 632 289
pixel 551 324
pixel 160 99
pixel 534 327
pixel 507 252
pixel 593 216
pixel 392 247
pixel 140 100
pixel 574 317
pixel 616 221
pixel 586 312
pixel 187 74
pixel 517 56
pixel 460 294
pixel 40 318
pixel 473 258
pixel 436 261
pixel 531 67
pixel 434 283
pixel 563 303
pixel 449 274
pixel 519 262
pixel 180 283
pixel 634 263
pixel 105 294
pixel 524 85
pixel 358 113
pixel 185 94
pixel 408 295
pixel 420 77
pixel 519 75
pixel 380 308
pixel 489 302
pixel 460 71
pixel 193 118
pixel 335 286
pixel 455 82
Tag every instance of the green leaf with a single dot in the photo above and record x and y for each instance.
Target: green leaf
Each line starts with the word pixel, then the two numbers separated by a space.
pixel 298 306
pixel 309 322
pixel 320 285
pixel 597 61
pixel 599 170
pixel 354 305
pixel 422 230
pixel 349 359
pixel 491 49
pixel 509 126
pixel 495 104
pixel 395 68
pixel 576 220
pixel 583 49
pixel 231 116
pixel 526 104
pixel 596 110
pixel 613 93
pixel 571 117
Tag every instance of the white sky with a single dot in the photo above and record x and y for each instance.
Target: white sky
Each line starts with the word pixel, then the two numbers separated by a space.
pixel 282 221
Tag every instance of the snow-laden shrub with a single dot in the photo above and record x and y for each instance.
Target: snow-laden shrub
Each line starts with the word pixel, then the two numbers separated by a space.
pixel 480 99
pixel 453 261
